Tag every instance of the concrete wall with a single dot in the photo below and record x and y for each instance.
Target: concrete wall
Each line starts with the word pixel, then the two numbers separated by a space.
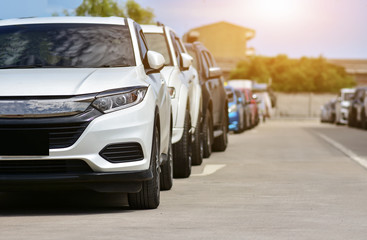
pixel 300 104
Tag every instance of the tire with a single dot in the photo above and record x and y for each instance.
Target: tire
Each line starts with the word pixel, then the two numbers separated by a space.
pixel 207 135
pixel 198 144
pixel 350 118
pixel 149 195
pixel 221 142
pixel 182 151
pixel 166 178
pixel 241 126
pixel 363 120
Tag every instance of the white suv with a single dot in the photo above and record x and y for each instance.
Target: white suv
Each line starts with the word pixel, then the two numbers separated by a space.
pixel 185 91
pixel 83 105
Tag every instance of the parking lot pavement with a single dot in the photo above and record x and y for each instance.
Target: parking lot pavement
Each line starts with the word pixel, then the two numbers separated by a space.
pixel 281 180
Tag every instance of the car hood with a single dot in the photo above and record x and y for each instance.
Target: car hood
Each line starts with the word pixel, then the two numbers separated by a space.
pixel 67 81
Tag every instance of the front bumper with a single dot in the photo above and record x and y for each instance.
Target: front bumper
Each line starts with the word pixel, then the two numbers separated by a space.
pixel 127 182
pixel 233 121
pixel 134 124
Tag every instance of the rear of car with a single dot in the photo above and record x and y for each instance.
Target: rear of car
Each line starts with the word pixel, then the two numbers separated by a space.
pixel 78 110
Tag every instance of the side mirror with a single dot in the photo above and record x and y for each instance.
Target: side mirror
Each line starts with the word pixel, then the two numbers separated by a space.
pixel 186 61
pixel 155 60
pixel 215 72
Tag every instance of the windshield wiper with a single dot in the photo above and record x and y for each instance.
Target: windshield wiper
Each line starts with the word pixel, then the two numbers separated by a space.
pixel 22 66
pixel 112 66
pixel 35 66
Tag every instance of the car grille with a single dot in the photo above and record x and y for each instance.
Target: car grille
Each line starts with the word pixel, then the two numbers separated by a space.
pixel 122 152
pixel 61 135
pixel 43 166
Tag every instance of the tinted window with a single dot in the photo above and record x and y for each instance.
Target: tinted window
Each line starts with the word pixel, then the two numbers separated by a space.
pixel 66 45
pixel 157 42
pixel 176 48
pixel 141 39
pixel 194 56
pixel 348 96
pixel 205 65
pixel 211 64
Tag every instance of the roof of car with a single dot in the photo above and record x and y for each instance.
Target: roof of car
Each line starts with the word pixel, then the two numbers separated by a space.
pixel 348 90
pixel 155 28
pixel 152 28
pixel 45 20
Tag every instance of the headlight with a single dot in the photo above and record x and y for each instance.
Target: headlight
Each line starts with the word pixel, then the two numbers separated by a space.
pixel 109 102
pixel 232 108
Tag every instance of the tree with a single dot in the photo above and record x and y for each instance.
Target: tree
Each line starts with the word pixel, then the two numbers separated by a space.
pixel 100 8
pixel 107 8
pixel 294 75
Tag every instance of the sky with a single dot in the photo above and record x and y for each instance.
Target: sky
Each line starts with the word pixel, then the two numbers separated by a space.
pixel 312 28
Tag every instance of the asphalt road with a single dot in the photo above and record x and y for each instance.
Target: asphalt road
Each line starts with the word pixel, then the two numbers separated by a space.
pixel 292 179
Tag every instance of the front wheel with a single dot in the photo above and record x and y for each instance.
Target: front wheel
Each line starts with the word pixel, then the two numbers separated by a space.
pixel 363 119
pixel 221 142
pixel 149 195
pixel 167 170
pixel 182 151
pixel 198 145
pixel 207 135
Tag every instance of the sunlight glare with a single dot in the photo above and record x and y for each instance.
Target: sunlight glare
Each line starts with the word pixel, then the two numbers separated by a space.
pixel 278 9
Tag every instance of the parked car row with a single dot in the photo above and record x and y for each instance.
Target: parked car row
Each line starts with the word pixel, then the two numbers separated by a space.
pixel 245 109
pixel 107 105
pixel 350 107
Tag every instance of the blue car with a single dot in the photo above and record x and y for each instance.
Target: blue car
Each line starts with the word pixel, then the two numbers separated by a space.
pixel 235 110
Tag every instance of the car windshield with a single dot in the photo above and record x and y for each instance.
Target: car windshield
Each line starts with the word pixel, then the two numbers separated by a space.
pixel 348 96
pixel 65 45
pixel 157 42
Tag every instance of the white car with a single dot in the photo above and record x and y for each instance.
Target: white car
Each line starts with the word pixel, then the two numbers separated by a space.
pixel 342 105
pixel 83 105
pixel 185 90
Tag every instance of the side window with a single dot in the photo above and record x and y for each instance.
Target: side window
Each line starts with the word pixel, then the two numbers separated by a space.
pixel 205 64
pixel 179 44
pixel 208 59
pixel 212 60
pixel 176 48
pixel 141 40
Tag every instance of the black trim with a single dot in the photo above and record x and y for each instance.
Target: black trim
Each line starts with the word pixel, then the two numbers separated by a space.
pixel 119 90
pixel 128 182
pixel 54 126
pixel 122 152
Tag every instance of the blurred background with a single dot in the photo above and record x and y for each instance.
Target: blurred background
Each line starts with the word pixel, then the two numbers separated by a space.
pixel 304 50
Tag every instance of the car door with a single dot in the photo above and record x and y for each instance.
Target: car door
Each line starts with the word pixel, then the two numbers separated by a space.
pixel 160 87
pixel 214 84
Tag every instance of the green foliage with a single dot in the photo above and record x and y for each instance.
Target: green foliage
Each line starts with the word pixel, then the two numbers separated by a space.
pixel 107 8
pixel 139 14
pixel 100 8
pixel 294 75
